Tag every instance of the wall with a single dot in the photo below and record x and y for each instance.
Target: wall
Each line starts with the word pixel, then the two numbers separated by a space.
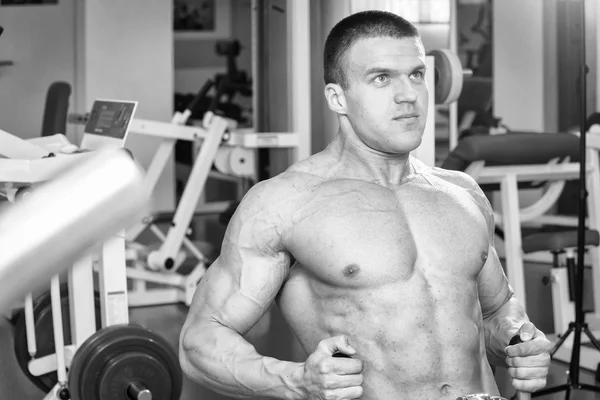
pixel 318 107
pixel 518 63
pixel 550 67
pixel 332 11
pixel 39 40
pixel 123 53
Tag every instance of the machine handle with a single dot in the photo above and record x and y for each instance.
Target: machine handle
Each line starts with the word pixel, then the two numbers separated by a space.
pixel 520 395
pixel 201 93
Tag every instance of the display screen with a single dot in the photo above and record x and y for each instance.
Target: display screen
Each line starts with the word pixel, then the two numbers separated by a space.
pixel 110 118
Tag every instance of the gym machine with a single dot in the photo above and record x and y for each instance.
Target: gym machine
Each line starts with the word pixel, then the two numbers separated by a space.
pixel 219 144
pixel 91 337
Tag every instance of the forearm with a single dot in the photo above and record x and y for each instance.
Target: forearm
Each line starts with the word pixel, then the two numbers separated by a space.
pixel 223 361
pixel 500 327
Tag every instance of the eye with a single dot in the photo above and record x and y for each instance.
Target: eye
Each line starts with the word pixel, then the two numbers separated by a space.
pixel 383 78
pixel 418 75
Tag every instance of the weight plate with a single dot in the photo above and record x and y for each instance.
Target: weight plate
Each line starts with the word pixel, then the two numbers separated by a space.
pixel 448 76
pixel 44 333
pixel 115 357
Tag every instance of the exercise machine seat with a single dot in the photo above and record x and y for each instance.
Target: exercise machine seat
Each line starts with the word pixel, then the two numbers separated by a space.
pixel 558 241
pixel 56 109
pixel 512 148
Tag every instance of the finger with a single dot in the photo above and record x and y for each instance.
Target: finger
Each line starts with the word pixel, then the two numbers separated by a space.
pixel 530 348
pixel 528 373
pixel 528 385
pixel 527 331
pixel 538 360
pixel 335 344
pixel 346 366
pixel 343 381
pixel 354 392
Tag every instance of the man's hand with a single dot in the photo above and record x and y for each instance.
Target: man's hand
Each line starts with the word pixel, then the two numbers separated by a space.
pixel 528 361
pixel 333 378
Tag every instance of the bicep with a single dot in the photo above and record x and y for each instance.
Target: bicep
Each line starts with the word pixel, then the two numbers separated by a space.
pixel 237 293
pixel 239 287
pixel 492 285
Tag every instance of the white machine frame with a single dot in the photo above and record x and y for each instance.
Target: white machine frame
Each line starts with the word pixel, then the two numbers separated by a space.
pixel 513 217
pixel 179 287
pixel 161 266
pixel 108 260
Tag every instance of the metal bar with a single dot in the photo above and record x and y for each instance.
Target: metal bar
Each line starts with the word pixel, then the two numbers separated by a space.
pixel 83 207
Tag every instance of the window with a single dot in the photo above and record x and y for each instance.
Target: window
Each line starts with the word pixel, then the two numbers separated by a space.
pixel 416 11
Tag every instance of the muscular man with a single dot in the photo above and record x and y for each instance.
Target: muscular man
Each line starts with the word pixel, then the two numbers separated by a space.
pixel 368 252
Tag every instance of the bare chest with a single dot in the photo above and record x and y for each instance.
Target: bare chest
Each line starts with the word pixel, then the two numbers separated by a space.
pixel 368 235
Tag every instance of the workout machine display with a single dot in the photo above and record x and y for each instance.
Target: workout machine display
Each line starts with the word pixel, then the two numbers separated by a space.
pixel 108 124
pixel 110 118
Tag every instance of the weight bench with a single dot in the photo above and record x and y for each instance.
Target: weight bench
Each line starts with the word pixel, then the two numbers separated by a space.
pixel 505 165
pixel 557 243
pixel 562 279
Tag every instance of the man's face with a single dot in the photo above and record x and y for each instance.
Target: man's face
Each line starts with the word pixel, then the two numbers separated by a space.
pixel 387 96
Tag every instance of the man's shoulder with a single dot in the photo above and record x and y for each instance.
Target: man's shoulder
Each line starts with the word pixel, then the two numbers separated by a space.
pixel 457 178
pixel 279 194
pixel 460 180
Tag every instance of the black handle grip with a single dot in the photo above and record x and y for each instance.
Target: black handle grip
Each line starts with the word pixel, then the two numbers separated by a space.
pixel 340 355
pixel 515 340
pixel 200 95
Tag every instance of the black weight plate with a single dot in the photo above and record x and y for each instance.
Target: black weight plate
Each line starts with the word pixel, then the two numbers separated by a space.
pixel 44 332
pixel 134 366
pixel 115 356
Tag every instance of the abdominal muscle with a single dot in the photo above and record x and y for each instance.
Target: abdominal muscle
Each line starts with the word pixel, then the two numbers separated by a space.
pixel 414 345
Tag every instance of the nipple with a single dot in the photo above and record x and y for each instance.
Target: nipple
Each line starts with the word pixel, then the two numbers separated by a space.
pixel 351 270
pixel 484 256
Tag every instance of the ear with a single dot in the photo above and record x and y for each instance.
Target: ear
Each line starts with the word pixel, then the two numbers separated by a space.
pixel 336 99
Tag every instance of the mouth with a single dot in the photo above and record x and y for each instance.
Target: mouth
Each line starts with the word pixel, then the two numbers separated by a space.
pixel 405 117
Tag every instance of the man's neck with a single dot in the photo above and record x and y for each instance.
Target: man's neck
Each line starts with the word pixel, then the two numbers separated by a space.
pixel 363 162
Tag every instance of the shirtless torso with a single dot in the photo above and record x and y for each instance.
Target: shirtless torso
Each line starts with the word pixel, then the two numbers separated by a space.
pixel 407 272
pixel 395 269
pixel 367 252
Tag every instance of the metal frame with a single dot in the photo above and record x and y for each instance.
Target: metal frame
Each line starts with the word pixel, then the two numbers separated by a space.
pixel 161 266
pixel 513 217
pixel 111 268
pixel 181 288
pixel 108 260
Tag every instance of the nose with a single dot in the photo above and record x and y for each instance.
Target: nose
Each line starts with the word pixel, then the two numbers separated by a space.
pixel 405 92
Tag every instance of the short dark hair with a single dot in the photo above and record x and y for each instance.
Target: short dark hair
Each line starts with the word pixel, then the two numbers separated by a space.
pixel 364 24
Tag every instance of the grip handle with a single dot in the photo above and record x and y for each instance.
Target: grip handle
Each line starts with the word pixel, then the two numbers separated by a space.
pixel 337 354
pixel 520 395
